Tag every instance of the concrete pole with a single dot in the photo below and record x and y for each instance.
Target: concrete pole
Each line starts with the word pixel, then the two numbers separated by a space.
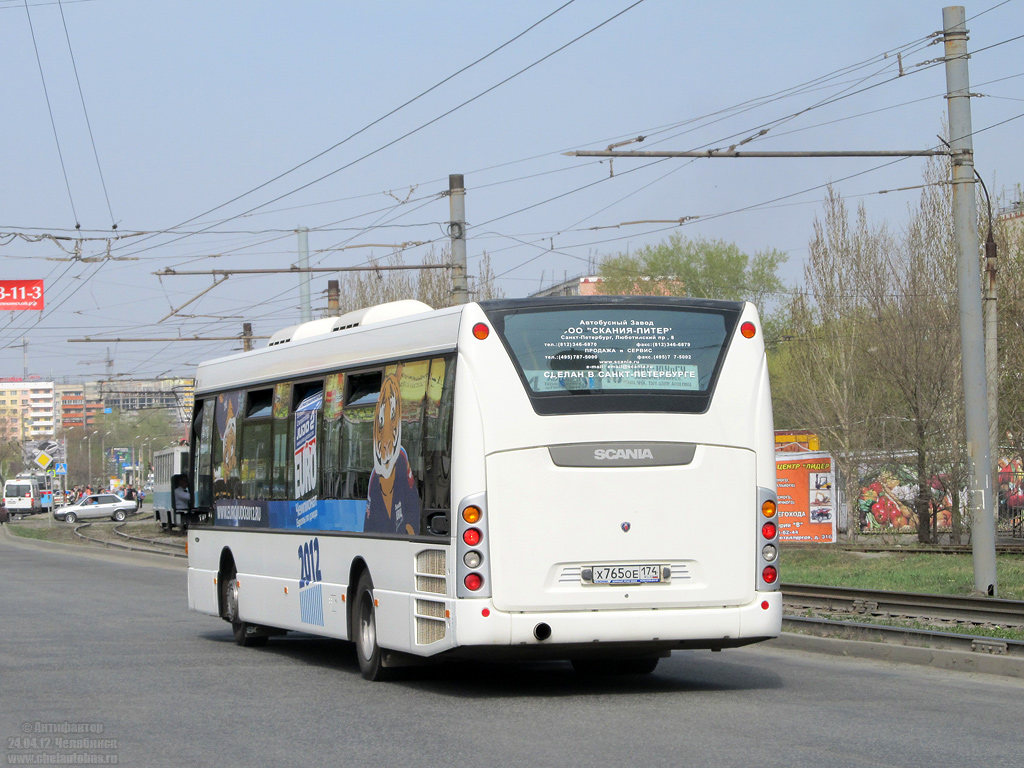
pixel 305 310
pixel 246 337
pixel 992 355
pixel 333 301
pixel 457 231
pixel 972 342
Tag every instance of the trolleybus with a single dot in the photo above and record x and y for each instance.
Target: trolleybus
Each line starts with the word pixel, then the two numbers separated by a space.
pixel 169 465
pixel 587 478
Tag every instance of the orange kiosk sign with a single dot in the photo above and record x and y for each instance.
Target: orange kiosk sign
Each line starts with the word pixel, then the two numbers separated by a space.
pixel 807 498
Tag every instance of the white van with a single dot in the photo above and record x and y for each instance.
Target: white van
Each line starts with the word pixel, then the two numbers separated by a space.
pixel 21 496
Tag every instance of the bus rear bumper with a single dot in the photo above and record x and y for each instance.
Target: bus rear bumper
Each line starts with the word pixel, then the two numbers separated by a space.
pixel 480 624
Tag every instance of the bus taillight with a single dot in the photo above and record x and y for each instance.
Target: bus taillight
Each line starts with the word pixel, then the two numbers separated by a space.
pixel 768 530
pixel 471 515
pixel 770 574
pixel 481 331
pixel 748 330
pixel 472 537
pixel 473 581
pixel 768 508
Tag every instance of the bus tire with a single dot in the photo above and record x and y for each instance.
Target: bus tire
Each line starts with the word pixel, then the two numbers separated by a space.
pixel 364 625
pixel 241 630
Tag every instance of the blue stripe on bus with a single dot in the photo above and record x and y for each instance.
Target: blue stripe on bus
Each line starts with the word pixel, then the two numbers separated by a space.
pixel 311 605
pixel 310 515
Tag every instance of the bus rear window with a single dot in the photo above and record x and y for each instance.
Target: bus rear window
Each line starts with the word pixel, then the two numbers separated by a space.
pixel 584 356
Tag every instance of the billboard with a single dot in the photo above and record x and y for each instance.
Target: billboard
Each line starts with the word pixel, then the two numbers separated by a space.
pixel 21 294
pixel 807 497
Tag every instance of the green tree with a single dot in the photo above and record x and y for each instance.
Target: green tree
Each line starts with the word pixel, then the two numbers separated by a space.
pixel 707 269
pixel 701 268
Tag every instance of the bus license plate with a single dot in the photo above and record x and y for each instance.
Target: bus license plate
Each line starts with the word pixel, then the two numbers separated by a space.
pixel 627 574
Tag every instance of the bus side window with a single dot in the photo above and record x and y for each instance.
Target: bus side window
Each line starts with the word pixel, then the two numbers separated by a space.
pixel 203 429
pixel 256 445
pixel 437 443
pixel 331 476
pixel 357 433
pixel 282 471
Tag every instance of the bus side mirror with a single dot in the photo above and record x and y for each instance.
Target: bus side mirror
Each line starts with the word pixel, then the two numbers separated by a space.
pixel 437 524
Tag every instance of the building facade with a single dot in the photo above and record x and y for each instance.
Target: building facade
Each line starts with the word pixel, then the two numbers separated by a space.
pixel 26 409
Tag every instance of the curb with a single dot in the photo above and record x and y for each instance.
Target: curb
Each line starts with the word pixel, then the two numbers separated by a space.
pixel 959 661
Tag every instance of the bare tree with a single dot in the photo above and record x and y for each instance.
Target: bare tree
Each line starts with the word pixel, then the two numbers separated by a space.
pixel 912 300
pixel 1009 234
pixel 431 286
pixel 823 384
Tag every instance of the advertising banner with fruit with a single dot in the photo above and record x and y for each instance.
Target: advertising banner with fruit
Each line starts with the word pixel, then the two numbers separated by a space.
pixel 888 500
pixel 807 500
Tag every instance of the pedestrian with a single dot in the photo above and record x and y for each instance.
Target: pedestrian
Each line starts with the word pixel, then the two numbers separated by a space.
pixel 139 498
pixel 181 497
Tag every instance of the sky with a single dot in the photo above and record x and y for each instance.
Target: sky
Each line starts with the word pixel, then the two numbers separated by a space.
pixel 209 133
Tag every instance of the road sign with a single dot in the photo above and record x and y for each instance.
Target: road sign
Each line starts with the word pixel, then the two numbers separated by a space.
pixel 60 469
pixel 44 459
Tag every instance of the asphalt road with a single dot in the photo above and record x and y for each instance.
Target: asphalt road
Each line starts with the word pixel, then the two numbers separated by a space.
pixel 99 656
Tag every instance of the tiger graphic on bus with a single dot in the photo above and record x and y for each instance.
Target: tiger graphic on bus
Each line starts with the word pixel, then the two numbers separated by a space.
pixel 393 503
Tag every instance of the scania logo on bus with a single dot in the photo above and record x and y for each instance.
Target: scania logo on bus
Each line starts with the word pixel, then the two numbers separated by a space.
pixel 618 454
pixel 625 527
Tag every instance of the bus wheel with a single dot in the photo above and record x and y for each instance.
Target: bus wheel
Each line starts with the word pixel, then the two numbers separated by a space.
pixel 365 626
pixel 244 633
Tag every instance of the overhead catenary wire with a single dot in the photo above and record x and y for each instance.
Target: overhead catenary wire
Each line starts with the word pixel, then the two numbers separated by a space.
pixel 375 122
pixel 571 247
pixel 49 109
pixel 88 123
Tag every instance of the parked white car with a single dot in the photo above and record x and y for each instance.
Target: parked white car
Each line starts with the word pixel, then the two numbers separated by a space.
pixel 94 506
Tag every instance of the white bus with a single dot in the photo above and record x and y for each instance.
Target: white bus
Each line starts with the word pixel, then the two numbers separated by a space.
pixel 168 465
pixel 588 478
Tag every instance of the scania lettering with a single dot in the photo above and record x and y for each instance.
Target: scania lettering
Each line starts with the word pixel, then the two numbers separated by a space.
pixel 612 455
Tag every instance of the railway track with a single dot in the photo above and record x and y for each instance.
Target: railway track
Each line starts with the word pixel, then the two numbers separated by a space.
pixel 977 611
pixel 849 613
pixel 157 547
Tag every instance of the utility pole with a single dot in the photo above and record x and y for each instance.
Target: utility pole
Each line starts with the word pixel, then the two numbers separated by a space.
pixel 972 340
pixel 992 352
pixel 246 336
pixel 457 231
pixel 305 310
pixel 333 292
